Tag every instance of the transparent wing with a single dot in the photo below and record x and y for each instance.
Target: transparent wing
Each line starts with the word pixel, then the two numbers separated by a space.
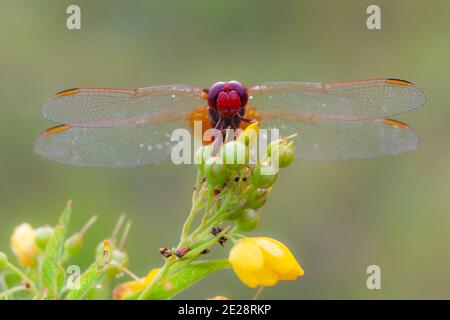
pixel 328 140
pixel 114 147
pixel 119 107
pixel 356 100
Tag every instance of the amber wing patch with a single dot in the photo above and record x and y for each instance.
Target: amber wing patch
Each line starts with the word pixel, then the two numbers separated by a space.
pixel 398 82
pixel 396 123
pixel 55 130
pixel 68 92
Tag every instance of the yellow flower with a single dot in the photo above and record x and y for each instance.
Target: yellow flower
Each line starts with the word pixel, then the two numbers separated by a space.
pixel 219 298
pixel 23 245
pixel 121 291
pixel 250 135
pixel 263 261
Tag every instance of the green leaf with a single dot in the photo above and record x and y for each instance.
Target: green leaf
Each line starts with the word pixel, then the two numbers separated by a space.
pixel 51 263
pixel 101 290
pixel 92 274
pixel 185 277
pixel 9 280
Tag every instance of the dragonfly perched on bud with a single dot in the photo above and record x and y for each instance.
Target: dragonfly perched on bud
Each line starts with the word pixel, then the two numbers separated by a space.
pixel 132 127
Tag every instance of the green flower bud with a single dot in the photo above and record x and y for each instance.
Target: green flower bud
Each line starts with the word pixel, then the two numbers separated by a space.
pixel 234 211
pixel 120 257
pixel 257 198
pixel 72 246
pixel 202 154
pixel 235 155
pixel 42 235
pixel 119 261
pixel 263 175
pixel 215 171
pixel 3 260
pixel 284 151
pixel 248 220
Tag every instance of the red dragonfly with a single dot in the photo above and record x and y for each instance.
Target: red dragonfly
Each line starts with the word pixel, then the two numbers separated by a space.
pixel 132 127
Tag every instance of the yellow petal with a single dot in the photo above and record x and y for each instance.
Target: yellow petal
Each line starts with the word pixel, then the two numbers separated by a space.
pixel 279 259
pixel 219 298
pixel 253 279
pixel 246 255
pixel 247 261
pixel 250 135
pixel 266 277
pixel 152 274
pixel 24 246
pixel 124 289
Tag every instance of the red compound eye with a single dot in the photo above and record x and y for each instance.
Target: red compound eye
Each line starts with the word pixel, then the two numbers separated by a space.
pixel 213 93
pixel 240 89
pixel 228 103
pixel 227 97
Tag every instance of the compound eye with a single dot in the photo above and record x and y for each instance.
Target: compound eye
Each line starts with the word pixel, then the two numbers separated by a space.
pixel 213 93
pixel 236 85
pixel 240 89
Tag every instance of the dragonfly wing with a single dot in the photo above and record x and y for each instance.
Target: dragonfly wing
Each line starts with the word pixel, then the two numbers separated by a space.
pixel 355 100
pixel 114 147
pixel 346 140
pixel 119 107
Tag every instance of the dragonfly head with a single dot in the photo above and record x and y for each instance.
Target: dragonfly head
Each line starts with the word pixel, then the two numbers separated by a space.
pixel 228 98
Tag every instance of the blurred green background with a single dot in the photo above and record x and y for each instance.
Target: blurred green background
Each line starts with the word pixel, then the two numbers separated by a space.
pixel 337 218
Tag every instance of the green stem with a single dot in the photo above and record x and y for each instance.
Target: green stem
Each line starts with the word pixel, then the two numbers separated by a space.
pixel 188 222
pixel 214 219
pixel 193 254
pixel 258 293
pixel 194 210
pixel 208 204
pixel 164 270
pixel 4 294
pixel 22 275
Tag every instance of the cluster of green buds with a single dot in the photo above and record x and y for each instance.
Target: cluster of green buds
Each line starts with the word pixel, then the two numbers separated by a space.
pixel 235 184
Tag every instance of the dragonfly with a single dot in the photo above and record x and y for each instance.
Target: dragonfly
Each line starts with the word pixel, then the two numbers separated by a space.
pixel 125 128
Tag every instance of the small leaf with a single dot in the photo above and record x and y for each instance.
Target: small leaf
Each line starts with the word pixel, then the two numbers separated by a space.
pixel 90 277
pixel 51 265
pixel 9 280
pixel 72 245
pixel 183 278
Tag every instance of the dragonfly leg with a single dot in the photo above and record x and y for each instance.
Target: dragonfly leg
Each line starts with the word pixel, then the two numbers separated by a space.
pixel 199 185
pixel 247 119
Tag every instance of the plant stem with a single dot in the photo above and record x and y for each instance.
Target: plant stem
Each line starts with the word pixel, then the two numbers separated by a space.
pixel 155 280
pixel 188 222
pixel 214 219
pixel 4 294
pixel 21 275
pixel 258 293
pixel 88 224
pixel 208 204
pixel 194 209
